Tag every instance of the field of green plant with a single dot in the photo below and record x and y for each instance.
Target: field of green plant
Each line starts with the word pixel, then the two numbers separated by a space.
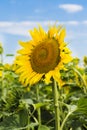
pixel 38 105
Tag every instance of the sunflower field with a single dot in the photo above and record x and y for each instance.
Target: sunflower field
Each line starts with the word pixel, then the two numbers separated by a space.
pixel 45 88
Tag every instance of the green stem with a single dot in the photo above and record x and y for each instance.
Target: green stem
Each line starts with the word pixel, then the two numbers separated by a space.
pixel 2 58
pixel 85 86
pixel 3 89
pixel 64 104
pixel 28 128
pixel 56 105
pixel 64 121
pixel 38 110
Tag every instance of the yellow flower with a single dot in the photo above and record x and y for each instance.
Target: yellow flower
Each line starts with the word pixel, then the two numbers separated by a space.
pixel 1 71
pixel 7 66
pixel 43 56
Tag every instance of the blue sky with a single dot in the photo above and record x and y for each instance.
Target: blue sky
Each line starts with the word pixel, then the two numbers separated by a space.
pixel 19 16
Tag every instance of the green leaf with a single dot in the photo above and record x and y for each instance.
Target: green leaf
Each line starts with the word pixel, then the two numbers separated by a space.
pixel 23 117
pixel 9 123
pixel 28 101
pixel 82 105
pixel 38 105
pixel 43 127
pixel 31 125
pixel 16 122
pixel 1 65
pixel 9 54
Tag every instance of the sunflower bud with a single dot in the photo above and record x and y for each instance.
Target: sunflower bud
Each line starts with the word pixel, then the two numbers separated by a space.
pixel 1 49
pixel 85 60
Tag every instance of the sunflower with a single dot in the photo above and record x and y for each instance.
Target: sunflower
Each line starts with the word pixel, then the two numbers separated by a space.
pixel 43 56
pixel 1 71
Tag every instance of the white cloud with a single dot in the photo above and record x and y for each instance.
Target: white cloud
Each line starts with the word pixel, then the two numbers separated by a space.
pixel 21 28
pixel 74 23
pixel 2 39
pixel 16 28
pixel 5 24
pixel 71 8
pixel 85 22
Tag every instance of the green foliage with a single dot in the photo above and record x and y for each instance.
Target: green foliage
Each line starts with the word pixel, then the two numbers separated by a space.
pixel 43 127
pixel 32 108
pixel 82 105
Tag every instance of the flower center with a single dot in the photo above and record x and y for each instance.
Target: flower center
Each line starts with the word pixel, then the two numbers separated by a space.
pixel 45 56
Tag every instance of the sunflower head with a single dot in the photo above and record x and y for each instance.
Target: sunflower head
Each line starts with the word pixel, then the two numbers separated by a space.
pixel 43 56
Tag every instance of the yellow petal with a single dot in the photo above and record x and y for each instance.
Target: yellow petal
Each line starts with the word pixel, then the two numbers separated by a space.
pixel 35 79
pixel 62 35
pixel 24 51
pixel 43 34
pixel 35 35
pixel 47 77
